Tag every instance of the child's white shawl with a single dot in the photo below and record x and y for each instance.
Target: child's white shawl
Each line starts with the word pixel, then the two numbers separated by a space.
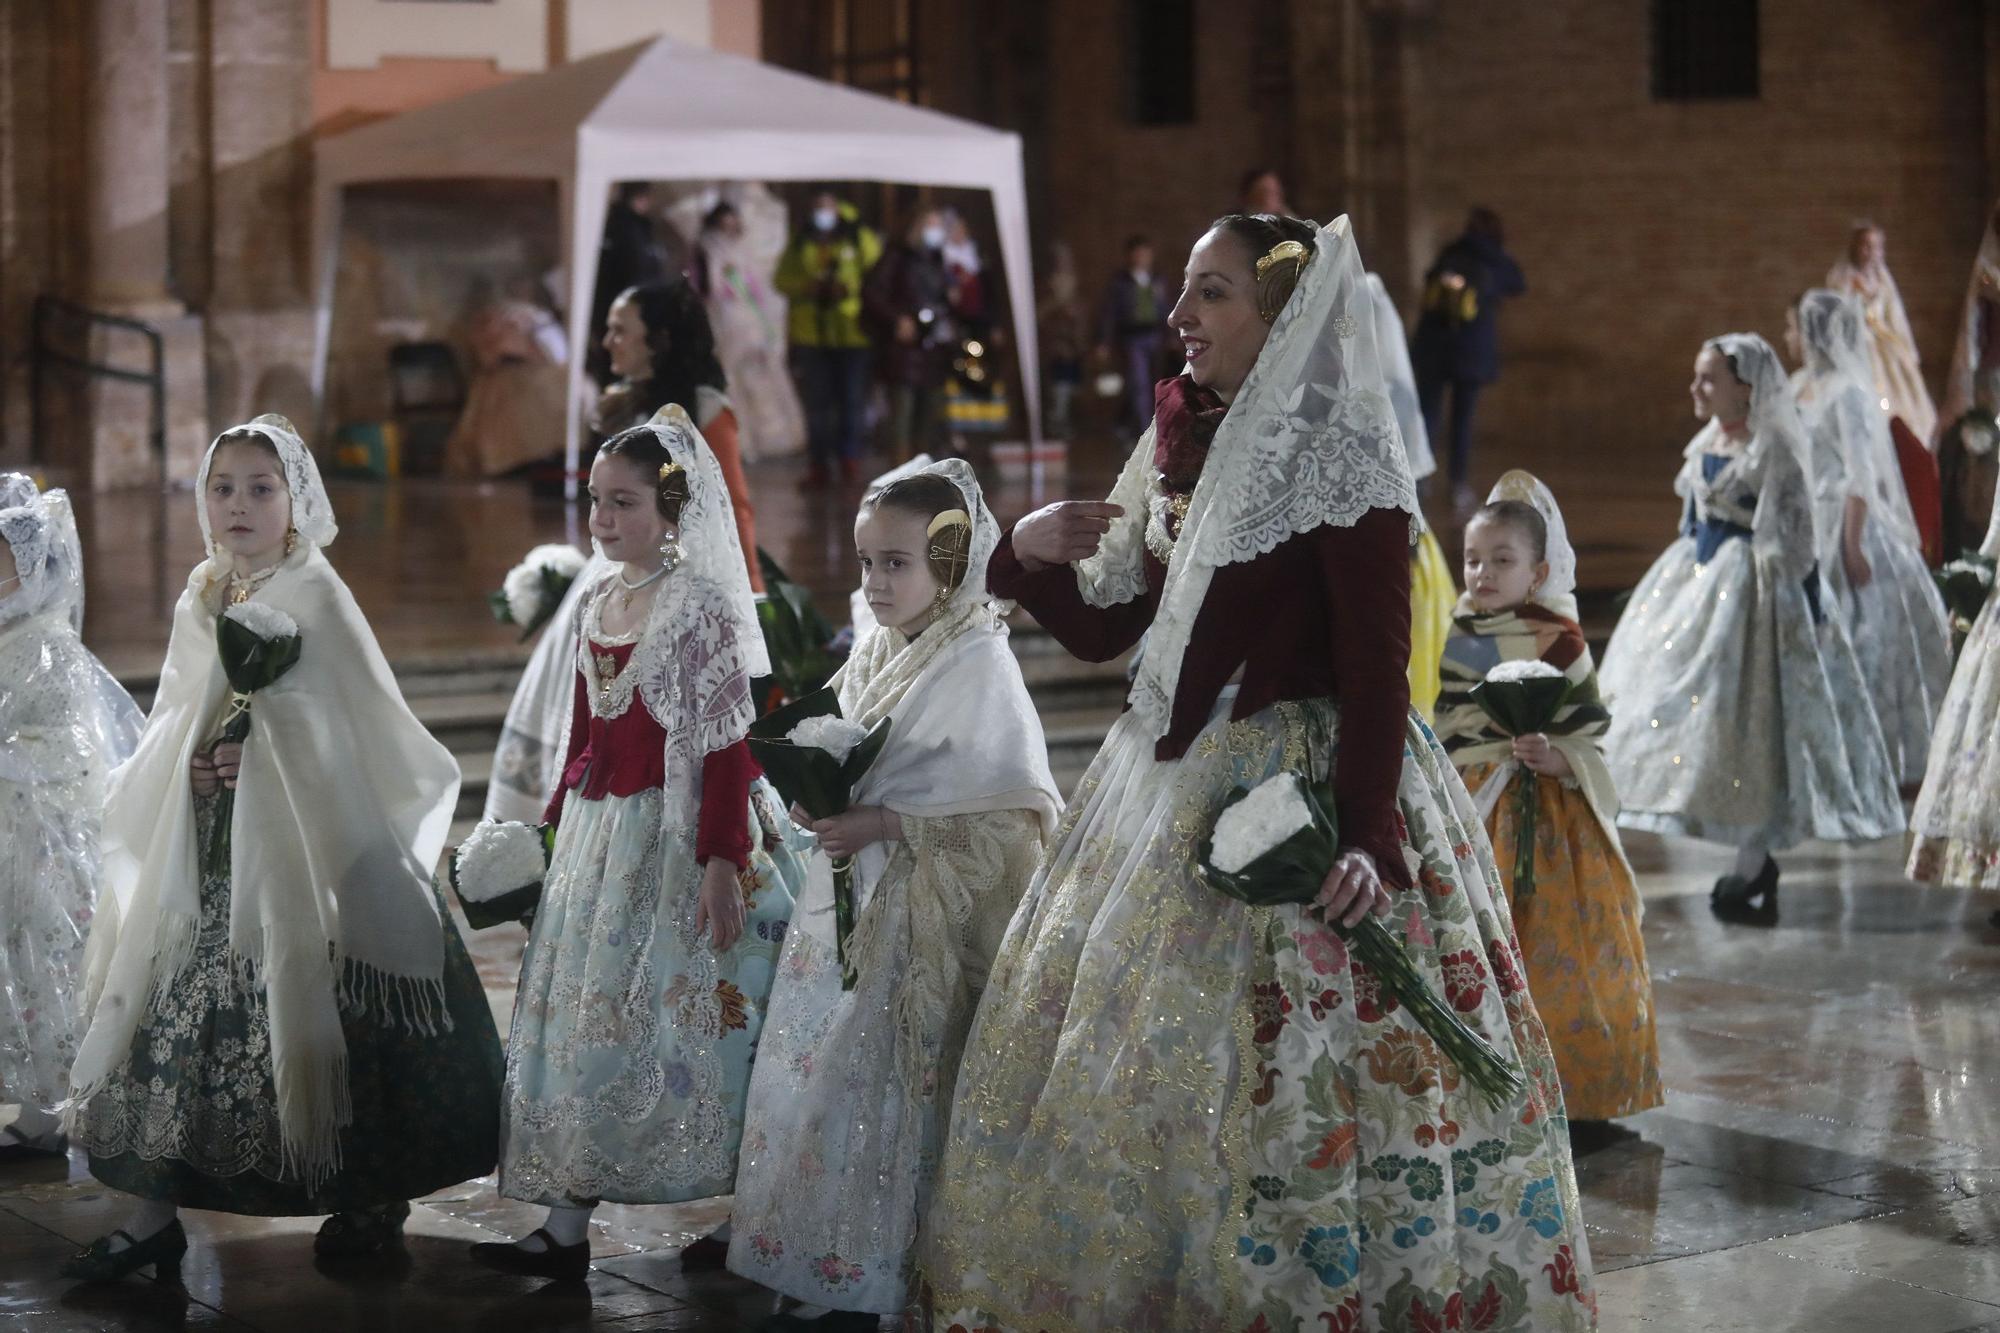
pixel 342 809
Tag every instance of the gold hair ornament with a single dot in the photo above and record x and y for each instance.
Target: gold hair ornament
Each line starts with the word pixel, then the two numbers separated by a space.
pixel 950 518
pixel 668 469
pixel 1280 252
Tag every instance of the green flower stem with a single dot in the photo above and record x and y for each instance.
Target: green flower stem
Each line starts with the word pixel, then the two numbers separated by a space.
pixel 1483 1067
pixel 1525 799
pixel 215 848
pixel 843 917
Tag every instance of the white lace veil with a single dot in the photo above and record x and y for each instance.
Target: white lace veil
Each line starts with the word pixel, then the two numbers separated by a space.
pixel 1399 377
pixel 1558 591
pixel 971 591
pixel 1774 421
pixel 1834 330
pixel 312 511
pixel 1309 440
pixel 48 556
pixel 1960 375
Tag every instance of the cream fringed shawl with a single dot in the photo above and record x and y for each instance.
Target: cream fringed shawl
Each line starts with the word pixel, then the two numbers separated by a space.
pixel 341 811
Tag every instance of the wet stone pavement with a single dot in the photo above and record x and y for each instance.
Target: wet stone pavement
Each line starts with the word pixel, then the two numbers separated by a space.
pixel 1828 1158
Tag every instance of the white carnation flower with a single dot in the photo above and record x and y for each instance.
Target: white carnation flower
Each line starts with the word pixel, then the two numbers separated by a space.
pixel 1273 811
pixel 835 735
pixel 558 558
pixel 266 622
pixel 524 587
pixel 1529 668
pixel 499 857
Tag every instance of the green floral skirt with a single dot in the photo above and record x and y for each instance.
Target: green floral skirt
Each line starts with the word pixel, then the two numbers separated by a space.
pixel 192 1117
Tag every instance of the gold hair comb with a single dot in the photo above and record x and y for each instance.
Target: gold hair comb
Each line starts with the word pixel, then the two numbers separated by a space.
pixel 668 469
pixel 950 518
pixel 1282 251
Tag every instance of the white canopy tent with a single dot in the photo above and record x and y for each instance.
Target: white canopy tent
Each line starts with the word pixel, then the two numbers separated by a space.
pixel 664 110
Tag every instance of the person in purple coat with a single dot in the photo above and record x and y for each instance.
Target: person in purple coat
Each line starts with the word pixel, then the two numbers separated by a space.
pixel 1457 342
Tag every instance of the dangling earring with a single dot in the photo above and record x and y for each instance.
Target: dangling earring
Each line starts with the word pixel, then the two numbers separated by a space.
pixel 670 551
pixel 940 600
pixel 291 542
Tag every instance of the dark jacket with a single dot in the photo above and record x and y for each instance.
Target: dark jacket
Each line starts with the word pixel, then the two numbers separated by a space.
pixel 914 282
pixel 1118 319
pixel 1458 331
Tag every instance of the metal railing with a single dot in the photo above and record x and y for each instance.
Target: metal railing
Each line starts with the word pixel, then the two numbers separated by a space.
pixel 53 314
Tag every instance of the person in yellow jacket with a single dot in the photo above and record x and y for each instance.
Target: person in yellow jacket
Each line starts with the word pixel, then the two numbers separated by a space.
pixel 821 274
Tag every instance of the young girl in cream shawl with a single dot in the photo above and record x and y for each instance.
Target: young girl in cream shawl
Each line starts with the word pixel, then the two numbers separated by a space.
pixel 289 1024
pixel 1579 926
pixel 851 1091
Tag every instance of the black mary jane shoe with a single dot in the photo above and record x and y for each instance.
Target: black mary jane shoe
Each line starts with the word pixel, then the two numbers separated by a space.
pixel 1748 902
pixel 707 1255
pixel 358 1235
pixel 162 1252
pixel 18 1147
pixel 564 1263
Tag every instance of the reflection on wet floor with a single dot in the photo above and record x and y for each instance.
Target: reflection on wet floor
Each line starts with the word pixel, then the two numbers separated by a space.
pixel 1828 1158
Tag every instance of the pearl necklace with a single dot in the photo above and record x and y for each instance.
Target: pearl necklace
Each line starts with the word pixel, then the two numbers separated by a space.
pixel 646 582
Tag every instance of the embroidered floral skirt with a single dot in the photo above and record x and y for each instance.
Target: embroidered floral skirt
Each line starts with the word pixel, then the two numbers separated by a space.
pixel 1957 817
pixel 1585 956
pixel 1178 1112
pixel 192 1117
pixel 629 1056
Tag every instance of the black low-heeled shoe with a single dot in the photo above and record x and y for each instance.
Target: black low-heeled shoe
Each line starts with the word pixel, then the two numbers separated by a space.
pixel 564 1263
pixel 360 1234
pixel 1749 902
pixel 162 1251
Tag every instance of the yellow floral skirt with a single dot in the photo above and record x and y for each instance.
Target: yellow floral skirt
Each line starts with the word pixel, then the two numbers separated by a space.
pixel 1433 595
pixel 1586 959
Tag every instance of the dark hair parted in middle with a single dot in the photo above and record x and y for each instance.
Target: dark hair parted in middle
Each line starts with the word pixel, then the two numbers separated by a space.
pixel 1260 234
pixel 641 447
pixel 682 348
pixel 925 496
pixel 1521 516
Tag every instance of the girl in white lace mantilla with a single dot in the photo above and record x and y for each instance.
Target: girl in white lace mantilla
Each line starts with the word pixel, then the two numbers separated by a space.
pixel 285 1022
pixel 650 956
pixel 852 1088
pixel 1730 679
pixel 1869 550
pixel 63 723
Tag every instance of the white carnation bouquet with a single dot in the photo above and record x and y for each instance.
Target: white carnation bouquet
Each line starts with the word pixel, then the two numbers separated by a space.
pixel 257 644
pixel 1523 697
pixel 498 870
pixel 814 757
pixel 1274 843
pixel 533 589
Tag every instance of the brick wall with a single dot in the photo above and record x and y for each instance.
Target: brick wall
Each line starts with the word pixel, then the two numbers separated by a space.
pixel 1644 227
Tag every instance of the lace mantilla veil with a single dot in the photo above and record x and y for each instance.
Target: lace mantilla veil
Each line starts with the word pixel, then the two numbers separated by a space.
pixel 1310 439
pixel 1558 591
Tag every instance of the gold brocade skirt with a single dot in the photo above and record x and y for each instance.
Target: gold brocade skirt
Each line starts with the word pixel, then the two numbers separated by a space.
pixel 1433 595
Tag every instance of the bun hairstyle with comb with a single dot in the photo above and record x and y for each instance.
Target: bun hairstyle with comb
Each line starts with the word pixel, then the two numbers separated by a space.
pixel 641 447
pixel 1521 516
pixel 948 549
pixel 1280 248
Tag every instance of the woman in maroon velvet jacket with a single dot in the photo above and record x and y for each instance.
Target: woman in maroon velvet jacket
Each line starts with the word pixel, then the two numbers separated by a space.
pixel 1176 1111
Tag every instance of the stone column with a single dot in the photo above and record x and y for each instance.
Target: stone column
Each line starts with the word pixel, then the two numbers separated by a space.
pixel 125 215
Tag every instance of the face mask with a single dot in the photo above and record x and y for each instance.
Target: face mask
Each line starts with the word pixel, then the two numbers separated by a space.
pixel 824 219
pixel 934 238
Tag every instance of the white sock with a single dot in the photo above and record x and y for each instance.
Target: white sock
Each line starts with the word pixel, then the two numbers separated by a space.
pixel 568 1223
pixel 153 1217
pixel 1750 858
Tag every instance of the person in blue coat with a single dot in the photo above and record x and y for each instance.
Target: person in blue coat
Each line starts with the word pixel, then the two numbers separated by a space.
pixel 1457 342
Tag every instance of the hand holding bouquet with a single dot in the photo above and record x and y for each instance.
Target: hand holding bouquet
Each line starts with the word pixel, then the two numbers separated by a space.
pixel 1523 698
pixel 1273 844
pixel 498 870
pixel 257 645
pixel 533 589
pixel 814 757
